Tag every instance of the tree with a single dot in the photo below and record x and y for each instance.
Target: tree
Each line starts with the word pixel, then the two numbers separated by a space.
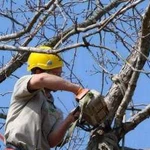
pixel 114 36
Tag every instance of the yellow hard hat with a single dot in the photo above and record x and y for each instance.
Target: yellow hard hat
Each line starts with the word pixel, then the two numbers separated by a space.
pixel 44 61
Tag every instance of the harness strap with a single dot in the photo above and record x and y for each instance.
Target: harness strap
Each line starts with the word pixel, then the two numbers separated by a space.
pixel 69 134
pixel 84 103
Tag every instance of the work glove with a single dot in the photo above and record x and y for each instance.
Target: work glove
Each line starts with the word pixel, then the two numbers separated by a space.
pixel 81 93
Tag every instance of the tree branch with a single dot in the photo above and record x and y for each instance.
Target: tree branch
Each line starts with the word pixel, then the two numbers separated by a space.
pixel 12 66
pixel 3 116
pixel 135 120
pixel 29 27
pixel 138 61
pixel 144 48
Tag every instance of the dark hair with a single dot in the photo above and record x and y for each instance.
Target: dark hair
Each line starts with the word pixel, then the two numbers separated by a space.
pixel 33 71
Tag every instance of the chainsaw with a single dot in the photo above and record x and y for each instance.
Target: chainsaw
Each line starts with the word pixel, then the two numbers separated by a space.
pixel 93 110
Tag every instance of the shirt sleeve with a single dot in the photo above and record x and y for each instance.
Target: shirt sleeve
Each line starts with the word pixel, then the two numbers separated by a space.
pixel 21 91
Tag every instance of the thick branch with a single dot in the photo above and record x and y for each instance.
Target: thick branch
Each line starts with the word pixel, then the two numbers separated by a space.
pixel 144 48
pixel 114 97
pixel 13 64
pixel 3 116
pixel 135 120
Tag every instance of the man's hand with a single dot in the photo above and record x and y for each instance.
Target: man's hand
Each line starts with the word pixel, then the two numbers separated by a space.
pixel 57 135
pixel 74 114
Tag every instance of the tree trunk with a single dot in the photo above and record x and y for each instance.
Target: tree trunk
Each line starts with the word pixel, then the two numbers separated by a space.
pixel 107 141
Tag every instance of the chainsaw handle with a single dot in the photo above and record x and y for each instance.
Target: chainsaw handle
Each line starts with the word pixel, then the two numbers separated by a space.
pixel 76 110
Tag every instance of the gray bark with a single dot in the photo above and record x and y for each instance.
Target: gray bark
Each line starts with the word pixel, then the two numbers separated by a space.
pixel 108 138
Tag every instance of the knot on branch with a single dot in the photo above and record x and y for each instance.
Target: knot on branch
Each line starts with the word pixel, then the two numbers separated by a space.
pixel 115 78
pixel 118 81
pixel 86 43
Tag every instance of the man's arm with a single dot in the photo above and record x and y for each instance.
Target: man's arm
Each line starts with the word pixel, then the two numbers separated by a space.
pixel 57 135
pixel 52 82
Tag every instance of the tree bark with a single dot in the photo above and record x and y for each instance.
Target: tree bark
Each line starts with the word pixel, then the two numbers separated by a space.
pixel 107 137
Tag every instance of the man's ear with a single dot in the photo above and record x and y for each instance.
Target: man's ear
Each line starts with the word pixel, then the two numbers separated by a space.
pixel 38 70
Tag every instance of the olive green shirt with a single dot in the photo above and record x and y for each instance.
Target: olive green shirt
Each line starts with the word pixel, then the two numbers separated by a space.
pixel 31 117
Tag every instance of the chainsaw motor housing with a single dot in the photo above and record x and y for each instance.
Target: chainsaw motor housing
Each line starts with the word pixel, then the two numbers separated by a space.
pixel 93 108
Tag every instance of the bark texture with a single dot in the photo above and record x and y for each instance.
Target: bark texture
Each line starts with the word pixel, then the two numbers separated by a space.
pixel 108 137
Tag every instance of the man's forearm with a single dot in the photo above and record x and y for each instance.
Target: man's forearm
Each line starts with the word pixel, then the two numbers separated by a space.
pixel 56 136
pixel 52 82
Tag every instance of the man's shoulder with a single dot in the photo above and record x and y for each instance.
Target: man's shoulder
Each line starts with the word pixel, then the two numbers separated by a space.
pixel 22 81
pixel 24 78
